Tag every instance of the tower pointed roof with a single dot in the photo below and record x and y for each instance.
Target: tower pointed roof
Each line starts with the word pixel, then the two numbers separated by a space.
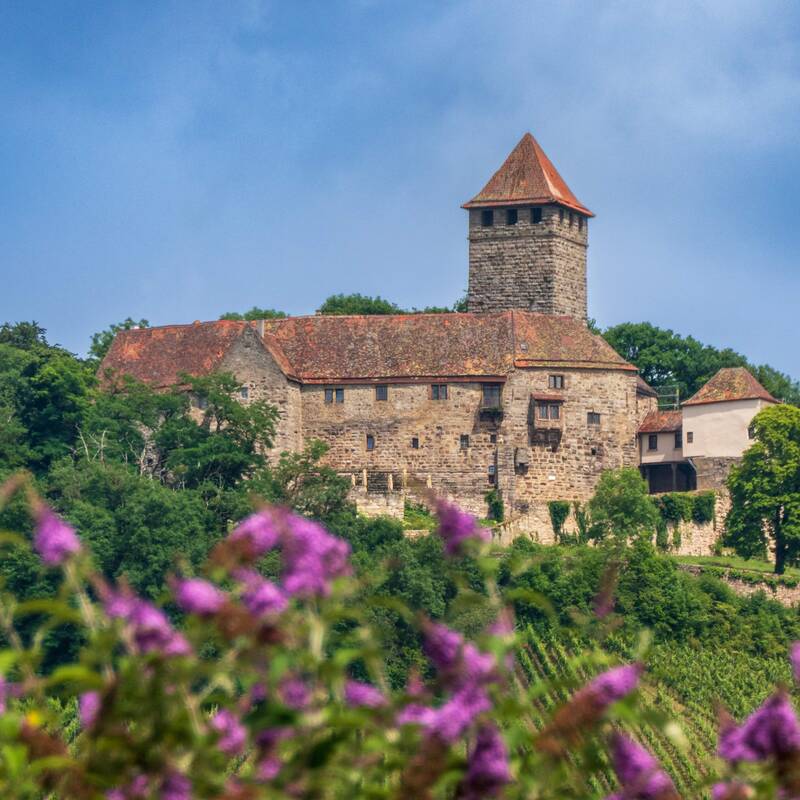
pixel 730 383
pixel 527 177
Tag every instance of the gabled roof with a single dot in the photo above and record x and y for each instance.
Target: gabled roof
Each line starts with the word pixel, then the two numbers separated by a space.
pixel 527 177
pixel 730 383
pixel 661 422
pixel 328 349
pixel 644 388
pixel 158 356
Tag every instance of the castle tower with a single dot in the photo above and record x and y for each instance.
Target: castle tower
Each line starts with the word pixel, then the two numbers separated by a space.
pixel 528 235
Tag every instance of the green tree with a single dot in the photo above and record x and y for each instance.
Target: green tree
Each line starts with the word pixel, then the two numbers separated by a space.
pixel 621 506
pixel 254 313
pixel 358 304
pixel 765 490
pixel 101 341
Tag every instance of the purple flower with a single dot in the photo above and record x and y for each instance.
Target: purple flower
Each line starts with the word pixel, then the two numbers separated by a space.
pixel 199 597
pixel 771 731
pixel 455 527
pixel 88 708
pixel 733 790
pixel 312 558
pixel 7 690
pixel 232 734
pixel 261 597
pixel 175 787
pixel 794 657
pixel 459 662
pixel 449 721
pixel 294 693
pixel 488 770
pixel 137 789
pixel 612 685
pixel 54 540
pixel 640 775
pixel 358 694
pixel 259 530
pixel 149 626
pixel 268 768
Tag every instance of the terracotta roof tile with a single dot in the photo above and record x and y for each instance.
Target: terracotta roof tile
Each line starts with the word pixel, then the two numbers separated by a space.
pixel 661 422
pixel 324 349
pixel 643 387
pixel 527 177
pixel 730 383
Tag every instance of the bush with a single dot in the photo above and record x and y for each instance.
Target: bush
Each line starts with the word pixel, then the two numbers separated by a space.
pixel 703 505
pixel 675 507
pixel 494 503
pixel 662 535
pixel 559 511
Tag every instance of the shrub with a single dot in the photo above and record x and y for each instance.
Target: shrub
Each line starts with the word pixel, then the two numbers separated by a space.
pixel 494 503
pixel 559 511
pixel 703 505
pixel 675 507
pixel 662 535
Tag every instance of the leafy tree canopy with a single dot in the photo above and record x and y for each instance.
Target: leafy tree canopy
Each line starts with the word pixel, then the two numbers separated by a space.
pixel 666 358
pixel 254 313
pixel 765 490
pixel 101 341
pixel 363 304
pixel 621 506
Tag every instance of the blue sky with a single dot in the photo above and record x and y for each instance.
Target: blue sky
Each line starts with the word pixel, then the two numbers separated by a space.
pixel 177 160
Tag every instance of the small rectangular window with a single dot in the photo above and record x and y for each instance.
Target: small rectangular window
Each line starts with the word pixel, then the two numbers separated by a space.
pixel 580 223
pixel 439 391
pixel 464 441
pixel 492 475
pixel 678 440
pixel 492 438
pixel 593 418
pixel 370 442
pixel 487 218
pixel 536 216
pixel 382 392
pixel 689 437
pixel 571 218
pixel 511 216
pixel 329 395
pixel 751 432
pixel 560 214
pixel 652 441
pixel 244 392
pixel 491 395
pixel 415 442
pixel 543 411
pixel 555 411
pixel 340 395
pixel 555 381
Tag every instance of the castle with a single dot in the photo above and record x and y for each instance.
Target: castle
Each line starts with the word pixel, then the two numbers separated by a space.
pixel 515 394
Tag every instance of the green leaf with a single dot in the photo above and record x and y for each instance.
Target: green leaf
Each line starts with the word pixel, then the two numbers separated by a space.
pixel 75 673
pixel 54 608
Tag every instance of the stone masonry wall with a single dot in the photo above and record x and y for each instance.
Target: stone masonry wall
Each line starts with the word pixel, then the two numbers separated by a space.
pixel 528 476
pixel 256 369
pixel 539 267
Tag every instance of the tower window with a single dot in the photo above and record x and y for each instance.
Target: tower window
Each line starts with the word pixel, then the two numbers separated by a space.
pixel 560 214
pixel 593 418
pixel 382 392
pixel 652 441
pixel 536 216
pixel 340 395
pixel 463 442
pixel 511 216
pixel 491 395
pixel 244 392
pixel 751 432
pixel 370 442
pixel 549 411
pixel 415 442
pixel 580 223
pixel 336 394
pixel 571 218
pixel 678 440
pixel 555 381
pixel 492 438
pixel 487 218
pixel 439 391
pixel 492 475
pixel 689 437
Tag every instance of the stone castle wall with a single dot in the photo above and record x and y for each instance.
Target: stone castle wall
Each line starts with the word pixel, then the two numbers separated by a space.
pixel 540 267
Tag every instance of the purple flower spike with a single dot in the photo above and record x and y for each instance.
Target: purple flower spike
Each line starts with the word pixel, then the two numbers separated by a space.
pixel 794 657
pixel 199 597
pixel 358 694
pixel 88 708
pixel 312 558
pixel 734 790
pixel 259 530
pixel 176 787
pixel 54 540
pixel 612 685
pixel 770 732
pixel 641 776
pixel 294 693
pixel 232 733
pixel 457 714
pixel 456 527
pixel 261 597
pixel 488 770
pixel 460 662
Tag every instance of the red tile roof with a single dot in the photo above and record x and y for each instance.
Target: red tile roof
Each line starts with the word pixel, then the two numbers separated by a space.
pixel 643 387
pixel 661 422
pixel 730 383
pixel 324 349
pixel 527 177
